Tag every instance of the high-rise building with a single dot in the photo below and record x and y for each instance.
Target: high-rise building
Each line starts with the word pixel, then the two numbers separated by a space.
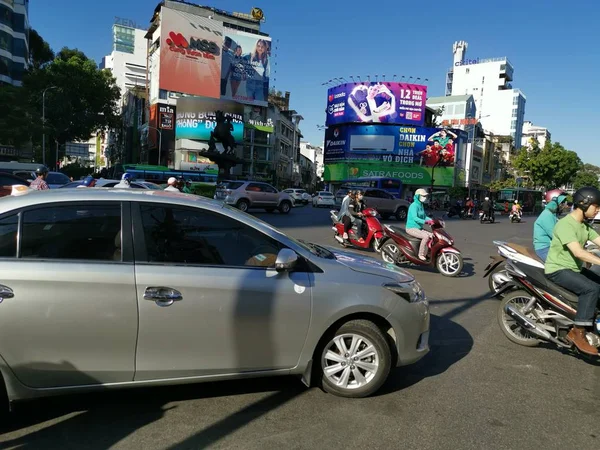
pixel 127 61
pixel 14 41
pixel 532 132
pixel 500 107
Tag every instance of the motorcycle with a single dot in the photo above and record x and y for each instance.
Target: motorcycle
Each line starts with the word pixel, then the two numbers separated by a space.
pixel 496 272
pixel 515 217
pixel 375 231
pixel 401 248
pixel 485 217
pixel 537 310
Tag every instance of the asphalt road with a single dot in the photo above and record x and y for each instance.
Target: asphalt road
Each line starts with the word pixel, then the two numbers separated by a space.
pixel 475 389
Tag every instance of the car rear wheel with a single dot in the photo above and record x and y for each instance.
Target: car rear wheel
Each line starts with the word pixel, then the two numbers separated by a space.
pixel 285 207
pixel 243 205
pixel 401 214
pixel 356 360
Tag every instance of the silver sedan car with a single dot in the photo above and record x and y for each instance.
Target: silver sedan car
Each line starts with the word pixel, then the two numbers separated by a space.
pixel 105 288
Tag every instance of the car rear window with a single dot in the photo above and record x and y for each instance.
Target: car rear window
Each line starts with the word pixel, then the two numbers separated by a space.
pixel 325 194
pixel 301 191
pixel 230 185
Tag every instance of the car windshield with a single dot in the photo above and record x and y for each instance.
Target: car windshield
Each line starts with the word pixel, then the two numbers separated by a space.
pixel 325 194
pixel 315 249
pixel 57 178
pixel 232 185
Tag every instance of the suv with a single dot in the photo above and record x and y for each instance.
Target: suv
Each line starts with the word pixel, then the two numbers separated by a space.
pixel 386 204
pixel 253 194
pixel 299 195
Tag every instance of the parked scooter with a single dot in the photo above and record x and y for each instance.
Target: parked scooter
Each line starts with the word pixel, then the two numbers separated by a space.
pixel 402 248
pixel 536 310
pixel 375 231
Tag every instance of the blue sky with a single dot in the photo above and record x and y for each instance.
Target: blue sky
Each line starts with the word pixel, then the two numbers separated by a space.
pixel 554 48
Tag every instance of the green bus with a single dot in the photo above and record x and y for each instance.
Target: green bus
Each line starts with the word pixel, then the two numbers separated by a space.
pixel 530 199
pixel 160 174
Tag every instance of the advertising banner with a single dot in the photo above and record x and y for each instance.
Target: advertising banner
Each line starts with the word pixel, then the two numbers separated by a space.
pixel 398 144
pixel 196 118
pixel 245 67
pixel 410 175
pixel 162 116
pixel 256 117
pixel 190 53
pixel 385 102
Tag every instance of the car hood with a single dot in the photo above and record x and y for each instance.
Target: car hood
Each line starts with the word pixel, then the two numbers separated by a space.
pixel 372 266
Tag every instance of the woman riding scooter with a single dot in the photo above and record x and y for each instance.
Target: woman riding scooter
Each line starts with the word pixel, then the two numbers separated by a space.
pixel 544 225
pixel 417 219
pixel 348 216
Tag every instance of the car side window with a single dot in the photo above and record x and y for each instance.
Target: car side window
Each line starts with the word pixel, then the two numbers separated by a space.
pixel 72 232
pixel 270 189
pixel 198 237
pixel 254 187
pixel 370 194
pixel 9 228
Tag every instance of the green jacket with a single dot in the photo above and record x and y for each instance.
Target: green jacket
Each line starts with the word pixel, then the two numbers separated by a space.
pixel 544 225
pixel 416 215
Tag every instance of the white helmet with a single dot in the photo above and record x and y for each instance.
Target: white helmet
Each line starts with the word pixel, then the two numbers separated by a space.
pixel 487 199
pixel 421 192
pixel 517 202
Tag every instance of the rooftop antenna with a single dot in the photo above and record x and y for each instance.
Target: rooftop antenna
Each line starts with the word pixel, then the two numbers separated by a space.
pixel 369 78
pixel 383 77
pixel 359 80
pixel 394 77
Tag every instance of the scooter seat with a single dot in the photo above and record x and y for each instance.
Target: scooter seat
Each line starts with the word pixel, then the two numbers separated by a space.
pixel 404 234
pixel 538 276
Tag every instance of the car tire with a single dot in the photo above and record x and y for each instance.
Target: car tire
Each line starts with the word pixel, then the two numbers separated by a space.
pixel 370 335
pixel 243 205
pixel 285 207
pixel 401 214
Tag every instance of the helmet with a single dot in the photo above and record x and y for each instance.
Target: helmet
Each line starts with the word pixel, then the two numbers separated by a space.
pixel 553 195
pixel 516 202
pixel 89 181
pixel 422 192
pixel 585 197
pixel 127 177
pixel 359 192
pixel 172 181
pixel 42 170
pixel 487 199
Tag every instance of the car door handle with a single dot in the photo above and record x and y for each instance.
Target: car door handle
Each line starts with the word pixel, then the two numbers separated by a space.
pixel 162 296
pixel 5 292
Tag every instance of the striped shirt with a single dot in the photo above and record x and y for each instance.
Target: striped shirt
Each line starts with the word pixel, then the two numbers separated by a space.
pixel 39 184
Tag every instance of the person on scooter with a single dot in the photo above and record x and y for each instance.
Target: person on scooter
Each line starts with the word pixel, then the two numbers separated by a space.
pixel 347 214
pixel 516 209
pixel 564 264
pixel 417 219
pixel 544 225
pixel 359 206
pixel 469 205
pixel 486 207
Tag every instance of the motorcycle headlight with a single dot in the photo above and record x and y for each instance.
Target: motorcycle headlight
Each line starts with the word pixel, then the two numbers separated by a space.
pixel 444 238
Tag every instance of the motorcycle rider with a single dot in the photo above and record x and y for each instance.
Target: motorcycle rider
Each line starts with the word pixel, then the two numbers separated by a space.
pixel 564 264
pixel 345 214
pixel 39 183
pixel 469 205
pixel 359 206
pixel 486 207
pixel 88 182
pixel 173 184
pixel 417 219
pixel 544 225
pixel 125 181
pixel 516 209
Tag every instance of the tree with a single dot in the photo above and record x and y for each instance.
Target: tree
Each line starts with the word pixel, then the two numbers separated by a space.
pixel 84 99
pixel 586 178
pixel 549 167
pixel 18 127
pixel 40 52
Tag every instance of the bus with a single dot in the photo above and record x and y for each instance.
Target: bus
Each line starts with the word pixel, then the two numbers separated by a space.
pixel 529 199
pixel 391 185
pixel 160 174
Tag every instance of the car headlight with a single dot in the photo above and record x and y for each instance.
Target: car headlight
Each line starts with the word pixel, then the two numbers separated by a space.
pixel 411 292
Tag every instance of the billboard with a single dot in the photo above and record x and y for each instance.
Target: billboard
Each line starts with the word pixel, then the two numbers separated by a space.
pixel 385 102
pixel 256 117
pixel 245 67
pixel 190 53
pixel 411 175
pixel 393 144
pixel 196 118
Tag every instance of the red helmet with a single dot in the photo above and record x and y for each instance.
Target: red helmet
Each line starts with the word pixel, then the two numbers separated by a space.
pixel 553 194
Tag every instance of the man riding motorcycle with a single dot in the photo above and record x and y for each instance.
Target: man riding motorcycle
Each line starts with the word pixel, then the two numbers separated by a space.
pixel 348 216
pixel 487 208
pixel 564 264
pixel 544 225
pixel 417 219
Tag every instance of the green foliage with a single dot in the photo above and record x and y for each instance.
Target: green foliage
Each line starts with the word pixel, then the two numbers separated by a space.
pixel 549 167
pixel 205 190
pixel 40 52
pixel 586 178
pixel 457 192
pixel 17 126
pixel 498 185
pixel 76 170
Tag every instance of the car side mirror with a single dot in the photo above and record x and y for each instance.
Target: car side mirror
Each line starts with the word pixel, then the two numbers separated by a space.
pixel 286 260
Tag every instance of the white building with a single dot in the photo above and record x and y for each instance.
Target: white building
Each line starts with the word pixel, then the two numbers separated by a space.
pixel 532 132
pixel 315 154
pixel 127 61
pixel 14 41
pixel 455 109
pixel 500 107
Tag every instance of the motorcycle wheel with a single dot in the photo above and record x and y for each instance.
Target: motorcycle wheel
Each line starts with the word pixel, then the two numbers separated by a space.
pixel 391 254
pixel 491 284
pixel 511 329
pixel 449 264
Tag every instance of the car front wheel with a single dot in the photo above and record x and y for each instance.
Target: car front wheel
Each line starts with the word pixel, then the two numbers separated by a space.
pixel 285 207
pixel 356 360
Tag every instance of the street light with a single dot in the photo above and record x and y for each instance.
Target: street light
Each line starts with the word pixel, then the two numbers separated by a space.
pixel 159 142
pixel 44 122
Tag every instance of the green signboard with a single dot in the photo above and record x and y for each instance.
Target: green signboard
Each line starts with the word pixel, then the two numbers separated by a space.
pixel 409 174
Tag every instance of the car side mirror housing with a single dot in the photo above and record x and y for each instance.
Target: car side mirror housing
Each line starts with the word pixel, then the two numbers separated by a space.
pixel 286 260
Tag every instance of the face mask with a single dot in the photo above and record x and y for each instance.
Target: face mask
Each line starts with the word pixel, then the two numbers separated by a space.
pixel 423 199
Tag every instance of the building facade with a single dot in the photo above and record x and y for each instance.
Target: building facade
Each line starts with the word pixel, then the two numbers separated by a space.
pixel 127 61
pixel 500 107
pixel 453 110
pixel 532 133
pixel 314 154
pixel 14 41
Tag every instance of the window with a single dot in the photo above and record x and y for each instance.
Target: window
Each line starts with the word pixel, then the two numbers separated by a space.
pixel 57 178
pixel 18 23
pixel 467 71
pixel 19 49
pixel 195 236
pixel 9 227
pixel 270 189
pixel 80 232
pixel 6 41
pixel 255 187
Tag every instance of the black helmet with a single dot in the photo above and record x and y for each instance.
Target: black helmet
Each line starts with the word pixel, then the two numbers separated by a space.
pixel 41 170
pixel 586 196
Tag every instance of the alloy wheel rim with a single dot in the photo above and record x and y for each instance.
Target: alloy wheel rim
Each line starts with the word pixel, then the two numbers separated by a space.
pixel 350 361
pixel 449 263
